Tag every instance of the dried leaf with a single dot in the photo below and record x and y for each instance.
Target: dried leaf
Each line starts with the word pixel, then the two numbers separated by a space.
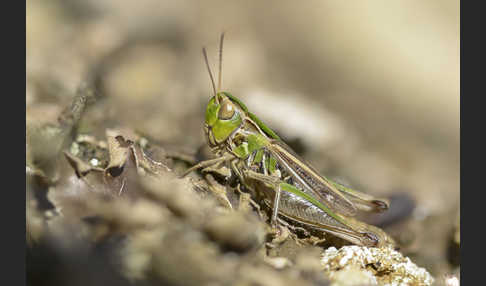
pixel 118 148
pixel 80 167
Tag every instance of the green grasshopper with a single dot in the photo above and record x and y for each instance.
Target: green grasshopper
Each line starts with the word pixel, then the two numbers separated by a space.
pixel 290 186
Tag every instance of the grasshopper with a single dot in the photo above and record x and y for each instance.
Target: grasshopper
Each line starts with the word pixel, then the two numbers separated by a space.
pixel 287 184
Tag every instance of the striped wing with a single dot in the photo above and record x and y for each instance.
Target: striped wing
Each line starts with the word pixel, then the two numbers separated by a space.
pixel 313 183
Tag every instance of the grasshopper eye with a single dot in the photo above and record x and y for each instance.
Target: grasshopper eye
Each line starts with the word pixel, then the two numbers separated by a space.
pixel 226 111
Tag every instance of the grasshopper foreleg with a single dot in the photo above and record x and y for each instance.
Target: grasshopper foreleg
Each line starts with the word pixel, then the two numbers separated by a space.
pixel 207 163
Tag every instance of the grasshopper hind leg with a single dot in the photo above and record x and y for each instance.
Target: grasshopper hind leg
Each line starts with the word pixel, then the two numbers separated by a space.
pixel 298 206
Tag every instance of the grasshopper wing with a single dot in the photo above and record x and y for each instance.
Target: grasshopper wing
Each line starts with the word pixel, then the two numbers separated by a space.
pixel 310 180
pixel 361 200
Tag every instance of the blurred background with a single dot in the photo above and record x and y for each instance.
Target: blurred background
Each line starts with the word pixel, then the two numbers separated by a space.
pixel 368 92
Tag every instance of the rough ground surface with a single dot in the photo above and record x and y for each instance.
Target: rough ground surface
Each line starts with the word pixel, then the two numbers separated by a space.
pixel 115 105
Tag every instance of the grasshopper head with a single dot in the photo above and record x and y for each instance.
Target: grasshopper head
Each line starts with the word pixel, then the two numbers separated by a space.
pixel 223 117
pixel 225 113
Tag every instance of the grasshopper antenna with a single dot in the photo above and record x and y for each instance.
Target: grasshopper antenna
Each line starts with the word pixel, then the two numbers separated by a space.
pixel 220 72
pixel 210 73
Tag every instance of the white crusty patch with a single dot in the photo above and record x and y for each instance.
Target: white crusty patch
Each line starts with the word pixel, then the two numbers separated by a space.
pixel 395 269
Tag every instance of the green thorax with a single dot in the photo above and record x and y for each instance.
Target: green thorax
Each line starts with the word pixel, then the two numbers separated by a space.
pixel 221 128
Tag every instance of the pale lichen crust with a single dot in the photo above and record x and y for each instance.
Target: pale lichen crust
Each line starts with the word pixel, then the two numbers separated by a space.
pixel 381 266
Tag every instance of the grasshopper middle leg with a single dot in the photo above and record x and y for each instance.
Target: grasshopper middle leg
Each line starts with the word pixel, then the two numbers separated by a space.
pixel 275 183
